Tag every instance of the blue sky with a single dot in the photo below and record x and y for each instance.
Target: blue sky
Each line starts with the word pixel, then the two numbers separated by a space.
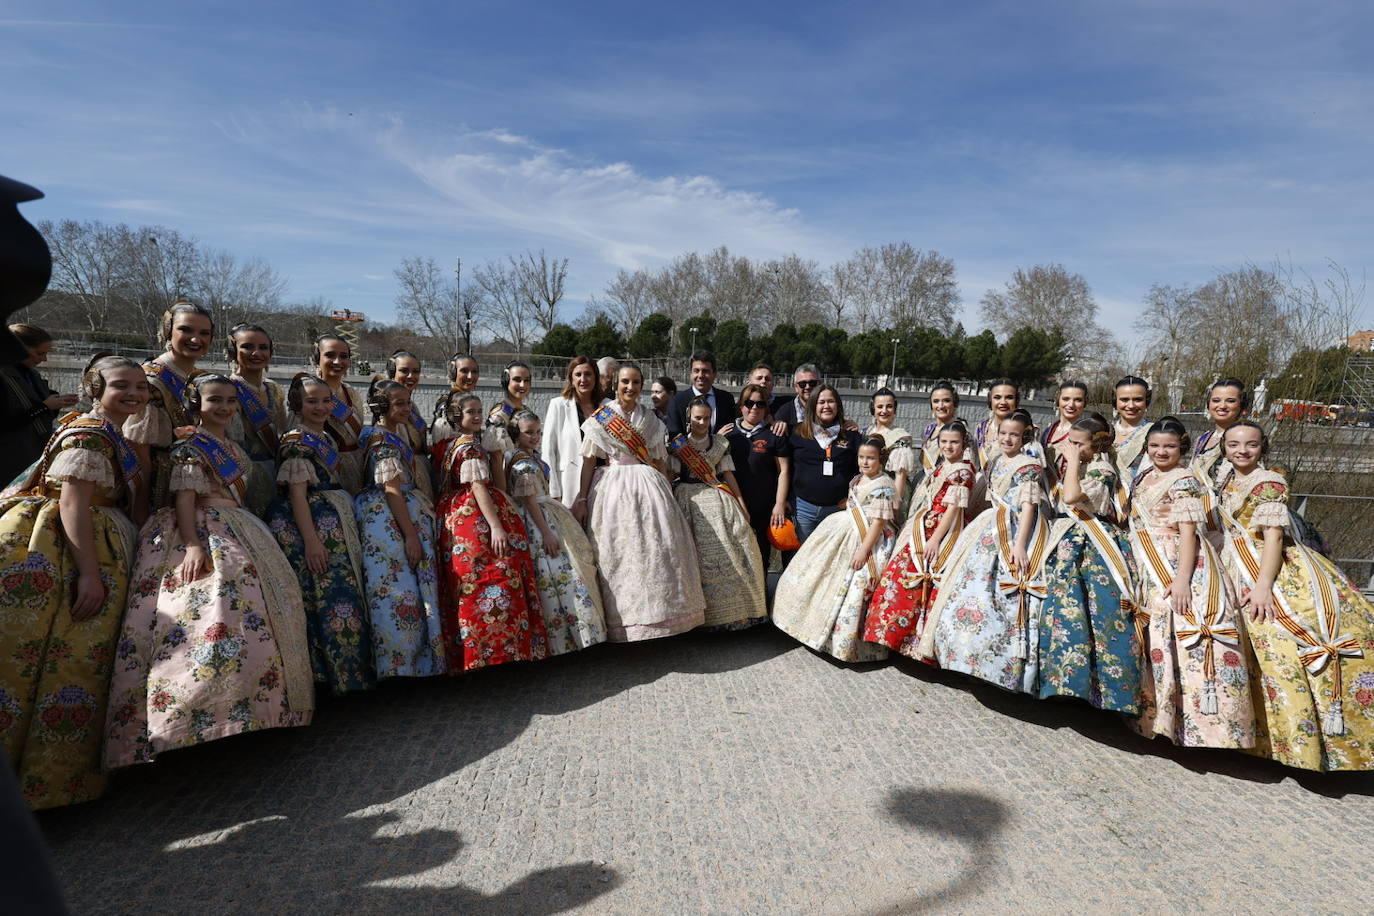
pixel 1134 142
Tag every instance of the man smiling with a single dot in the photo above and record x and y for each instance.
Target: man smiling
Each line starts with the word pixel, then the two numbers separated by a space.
pixel 723 409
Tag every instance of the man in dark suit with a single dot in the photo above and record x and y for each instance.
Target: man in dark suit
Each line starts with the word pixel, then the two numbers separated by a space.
pixel 723 407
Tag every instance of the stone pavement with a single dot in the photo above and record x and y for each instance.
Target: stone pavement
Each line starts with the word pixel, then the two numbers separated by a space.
pixel 728 773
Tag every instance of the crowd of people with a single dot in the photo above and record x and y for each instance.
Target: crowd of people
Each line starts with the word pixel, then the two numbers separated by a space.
pixel 197 554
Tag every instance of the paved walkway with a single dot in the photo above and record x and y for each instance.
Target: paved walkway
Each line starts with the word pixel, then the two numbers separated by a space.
pixel 713 773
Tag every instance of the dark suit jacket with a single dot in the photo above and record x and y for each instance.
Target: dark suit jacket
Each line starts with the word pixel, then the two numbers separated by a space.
pixel 786 410
pixel 727 411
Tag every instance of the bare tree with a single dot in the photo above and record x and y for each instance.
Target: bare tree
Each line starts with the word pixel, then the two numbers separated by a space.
pixel 89 263
pixel 678 288
pixel 164 267
pixel 236 292
pixel 1048 296
pixel 430 303
pixel 540 281
pixel 506 311
pixel 795 291
pixel 841 293
pixel 629 299
pixel 733 288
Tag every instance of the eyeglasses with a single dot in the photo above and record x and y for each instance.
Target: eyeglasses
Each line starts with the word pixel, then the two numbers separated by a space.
pixel 753 405
pixel 808 383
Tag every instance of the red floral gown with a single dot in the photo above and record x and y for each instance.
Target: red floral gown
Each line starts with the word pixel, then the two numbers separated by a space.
pixel 904 594
pixel 489 605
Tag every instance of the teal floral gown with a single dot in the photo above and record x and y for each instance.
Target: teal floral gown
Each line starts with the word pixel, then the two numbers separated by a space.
pixel 337 624
pixel 402 602
pixel 1089 647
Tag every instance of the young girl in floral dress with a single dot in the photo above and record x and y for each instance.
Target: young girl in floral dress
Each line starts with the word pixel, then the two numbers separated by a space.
pixel 312 519
pixel 405 369
pixel 1311 630
pixel 66 548
pixel 709 497
pixel 1089 647
pixel 396 527
pixel 516 380
pixel 213 641
pixel 261 418
pixel 983 620
pixel 1227 402
pixel 907 587
pixel 1196 688
pixel 487 584
pixel 187 330
pixel 564 561
pixel 822 597
pixel 1069 403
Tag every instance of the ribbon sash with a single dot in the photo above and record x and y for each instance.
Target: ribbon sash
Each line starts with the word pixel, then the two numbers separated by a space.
pixel 623 432
pixel 256 413
pixel 173 389
pixel 418 421
pixel 696 462
pixel 322 446
pixel 856 515
pixel 380 437
pixel 344 417
pixel 221 461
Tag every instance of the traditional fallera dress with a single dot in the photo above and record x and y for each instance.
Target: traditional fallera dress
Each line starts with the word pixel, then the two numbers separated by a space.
pixel 983 621
pixel 1315 662
pixel 402 601
pixel 901 456
pixel 1052 441
pixel 416 435
pixel 1195 683
pixel 55 671
pixel 1129 445
pixel 985 441
pixel 345 425
pixel 490 605
pixel 820 600
pixel 569 594
pixel 1089 647
pixel 155 426
pixel 257 429
pixel 223 654
pixel 727 552
pixel 650 581
pixel 907 587
pixel 340 633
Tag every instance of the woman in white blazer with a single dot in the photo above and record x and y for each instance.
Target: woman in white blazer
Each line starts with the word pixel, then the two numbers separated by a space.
pixel 580 399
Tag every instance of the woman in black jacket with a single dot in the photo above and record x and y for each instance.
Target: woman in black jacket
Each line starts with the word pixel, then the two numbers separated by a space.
pixel 27 405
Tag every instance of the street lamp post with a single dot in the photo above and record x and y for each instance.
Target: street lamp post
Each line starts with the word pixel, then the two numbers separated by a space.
pixel 891 378
pixel 694 341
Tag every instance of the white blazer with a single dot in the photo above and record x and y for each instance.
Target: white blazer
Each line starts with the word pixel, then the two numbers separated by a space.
pixel 563 449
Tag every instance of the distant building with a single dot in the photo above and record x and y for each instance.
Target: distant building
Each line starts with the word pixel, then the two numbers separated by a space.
pixel 1362 341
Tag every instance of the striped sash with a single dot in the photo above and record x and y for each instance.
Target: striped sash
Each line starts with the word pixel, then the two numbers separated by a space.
pixel 622 431
pixel 258 414
pixel 696 462
pixel 220 460
pixel 861 525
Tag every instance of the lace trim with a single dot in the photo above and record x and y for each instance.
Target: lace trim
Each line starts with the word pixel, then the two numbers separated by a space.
pixel 151 426
pixel 957 497
pixel 1187 509
pixel 189 476
pixel 296 470
pixel 82 464
pixel 389 469
pixel 473 470
pixel 1270 514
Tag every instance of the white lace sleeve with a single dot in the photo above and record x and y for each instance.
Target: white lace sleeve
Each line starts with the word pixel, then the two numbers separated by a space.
pixel 901 458
pixel 82 464
pixel 496 439
pixel 189 475
pixel 473 470
pixel 389 469
pixel 727 463
pixel 296 470
pixel 526 484
pixel 1270 514
pixel 957 497
pixel 151 426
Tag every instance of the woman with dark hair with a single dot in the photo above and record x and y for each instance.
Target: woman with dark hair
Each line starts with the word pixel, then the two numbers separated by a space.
pixel 406 369
pixel 1003 398
pixel 944 408
pixel 463 376
pixel 259 422
pixel 1069 403
pixel 396 527
pixel 312 519
pixel 901 455
pixel 1227 402
pixel 1131 396
pixel 825 458
pixel 516 381
pixel 213 642
pixel 332 356
pixel 1309 627
pixel 1088 643
pixel 763 466
pixel 650 581
pixel 66 549
pixel 1195 684
pixel 186 330
pixel 563 427
pixel 27 405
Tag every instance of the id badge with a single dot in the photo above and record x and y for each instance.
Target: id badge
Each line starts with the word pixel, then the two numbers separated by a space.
pixel 828 468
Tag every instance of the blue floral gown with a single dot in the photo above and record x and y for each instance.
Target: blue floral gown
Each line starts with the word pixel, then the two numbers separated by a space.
pixel 403 603
pixel 1089 647
pixel 335 610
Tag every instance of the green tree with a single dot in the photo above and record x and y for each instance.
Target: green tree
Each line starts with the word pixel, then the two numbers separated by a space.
pixel 1032 356
pixel 824 346
pixel 870 353
pixel 601 339
pixel 561 340
pixel 732 345
pixel 651 338
pixel 982 356
pixel 779 350
pixel 1313 375
pixel 705 335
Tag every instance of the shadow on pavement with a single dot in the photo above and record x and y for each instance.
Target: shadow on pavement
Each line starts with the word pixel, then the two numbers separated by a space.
pixel 970 818
pixel 276 805
pixel 1111 729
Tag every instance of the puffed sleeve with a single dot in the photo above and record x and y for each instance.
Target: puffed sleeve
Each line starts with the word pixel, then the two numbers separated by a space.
pixel 296 470
pixel 1025 486
pixel 496 439
pixel 473 470
pixel 727 463
pixel 591 440
pixel 83 456
pixel 958 490
pixel 151 425
pixel 1271 505
pixel 1187 501
pixel 1098 485
pixel 388 468
pixel 655 437
pixel 189 475
pixel 526 480
pixel 901 458
pixel 878 505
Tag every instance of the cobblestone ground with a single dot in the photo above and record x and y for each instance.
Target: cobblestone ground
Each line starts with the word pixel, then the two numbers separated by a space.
pixel 712 773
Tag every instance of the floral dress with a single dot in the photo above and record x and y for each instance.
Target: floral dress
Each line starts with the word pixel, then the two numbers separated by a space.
pixel 257 429
pixel 569 594
pixel 1089 647
pixel 1315 663
pixel 340 633
pixel 983 620
pixel 820 601
pixel 907 587
pixel 223 654
pixel 55 671
pixel 901 456
pixel 490 605
pixel 155 426
pixel 402 601
pixel 1195 683
pixel 727 552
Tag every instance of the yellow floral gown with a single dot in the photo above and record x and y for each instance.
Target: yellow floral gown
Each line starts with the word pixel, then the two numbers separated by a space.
pixel 1315 663
pixel 54 671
